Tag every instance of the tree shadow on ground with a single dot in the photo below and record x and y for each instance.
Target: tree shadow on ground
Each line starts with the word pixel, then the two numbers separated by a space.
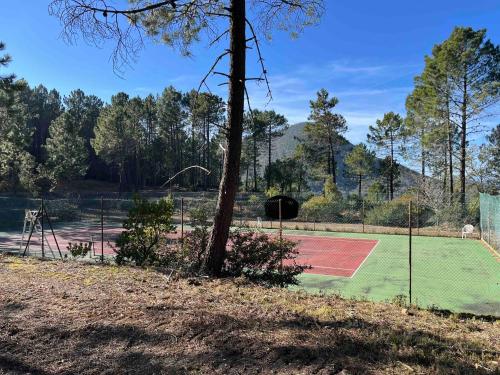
pixel 218 343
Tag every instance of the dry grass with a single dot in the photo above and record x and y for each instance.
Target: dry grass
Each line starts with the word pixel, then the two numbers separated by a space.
pixel 74 318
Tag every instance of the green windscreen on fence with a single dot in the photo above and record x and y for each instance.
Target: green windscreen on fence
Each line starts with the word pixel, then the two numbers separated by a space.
pixel 490 219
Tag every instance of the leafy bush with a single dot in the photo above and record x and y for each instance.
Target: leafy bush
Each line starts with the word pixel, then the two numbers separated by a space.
pixel 195 243
pixel 263 259
pixel 325 207
pixel 144 239
pixel 377 192
pixel 272 191
pixel 322 208
pixel 395 213
pixel 80 249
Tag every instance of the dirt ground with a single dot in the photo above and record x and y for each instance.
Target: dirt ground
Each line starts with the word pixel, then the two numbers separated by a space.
pixel 76 318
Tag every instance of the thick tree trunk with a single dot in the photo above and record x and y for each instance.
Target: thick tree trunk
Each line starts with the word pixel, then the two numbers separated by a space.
pixel 230 176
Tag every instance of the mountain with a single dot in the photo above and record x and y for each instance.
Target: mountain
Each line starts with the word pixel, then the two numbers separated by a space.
pixel 284 147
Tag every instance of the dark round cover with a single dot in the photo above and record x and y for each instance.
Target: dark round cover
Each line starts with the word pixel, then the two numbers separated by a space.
pixel 289 207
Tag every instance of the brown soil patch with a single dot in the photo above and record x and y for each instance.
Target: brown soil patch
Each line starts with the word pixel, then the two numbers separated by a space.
pixel 75 318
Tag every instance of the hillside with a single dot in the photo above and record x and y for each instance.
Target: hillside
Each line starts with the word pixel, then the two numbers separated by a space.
pixel 284 147
pixel 75 318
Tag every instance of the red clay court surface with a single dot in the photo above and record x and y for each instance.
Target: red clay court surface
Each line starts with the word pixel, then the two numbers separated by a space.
pixel 333 256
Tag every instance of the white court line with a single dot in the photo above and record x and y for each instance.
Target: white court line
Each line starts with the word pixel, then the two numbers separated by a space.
pixel 332 237
pixel 334 268
pixel 364 260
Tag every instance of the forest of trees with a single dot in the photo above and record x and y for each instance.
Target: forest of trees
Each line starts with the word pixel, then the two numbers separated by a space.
pixel 48 140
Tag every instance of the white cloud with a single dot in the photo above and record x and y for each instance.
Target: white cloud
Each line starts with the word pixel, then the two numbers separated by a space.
pixel 361 102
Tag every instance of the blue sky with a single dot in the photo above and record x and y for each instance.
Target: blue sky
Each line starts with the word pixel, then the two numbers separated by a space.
pixel 364 52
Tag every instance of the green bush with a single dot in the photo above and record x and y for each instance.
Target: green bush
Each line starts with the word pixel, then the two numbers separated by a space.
pixel 321 208
pixel 395 213
pixel 194 246
pixel 80 249
pixel 144 239
pixel 263 259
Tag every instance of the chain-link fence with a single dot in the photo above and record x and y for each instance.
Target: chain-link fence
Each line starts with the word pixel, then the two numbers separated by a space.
pixel 490 219
pixel 398 251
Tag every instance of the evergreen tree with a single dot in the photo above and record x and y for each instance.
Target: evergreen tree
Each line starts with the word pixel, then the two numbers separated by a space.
pixel 387 136
pixel 16 164
pixel 67 157
pixel 69 150
pixel 180 24
pixel 323 135
pixel 116 137
pixel 255 131
pixel 43 107
pixel 471 64
pixel 359 163
pixel 171 116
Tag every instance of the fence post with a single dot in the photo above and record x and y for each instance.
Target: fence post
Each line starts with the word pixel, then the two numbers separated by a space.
pixel 409 248
pixel 363 214
pixel 418 214
pixel 43 233
pixel 182 219
pixel 102 229
pixel 281 238
pixel 241 215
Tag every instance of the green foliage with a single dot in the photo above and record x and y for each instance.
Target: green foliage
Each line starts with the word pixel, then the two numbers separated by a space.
pixel 263 259
pixel 318 207
pixel 377 193
pixel 395 213
pixel 145 232
pixel 272 191
pixel 327 206
pixel 80 249
pixel 67 154
pixel 324 133
pixel 331 191
pixel 194 246
pixel 359 163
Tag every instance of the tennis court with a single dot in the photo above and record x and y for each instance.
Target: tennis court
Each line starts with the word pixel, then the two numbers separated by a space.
pixel 332 256
pixel 447 273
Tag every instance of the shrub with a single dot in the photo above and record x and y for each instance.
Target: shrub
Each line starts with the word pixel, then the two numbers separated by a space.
pixel 195 243
pixel 80 249
pixel 272 191
pixel 395 213
pixel 377 192
pixel 145 232
pixel 263 259
pixel 322 208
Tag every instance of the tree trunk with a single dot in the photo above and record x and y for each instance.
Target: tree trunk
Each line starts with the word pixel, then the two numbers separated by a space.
pixel 255 187
pixel 450 150
pixel 230 176
pixel 463 145
pixel 391 171
pixel 359 185
pixel 423 157
pixel 269 140
pixel 207 177
pixel 333 164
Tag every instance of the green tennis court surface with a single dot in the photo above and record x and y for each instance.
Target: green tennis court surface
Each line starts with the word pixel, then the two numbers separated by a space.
pixel 448 273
